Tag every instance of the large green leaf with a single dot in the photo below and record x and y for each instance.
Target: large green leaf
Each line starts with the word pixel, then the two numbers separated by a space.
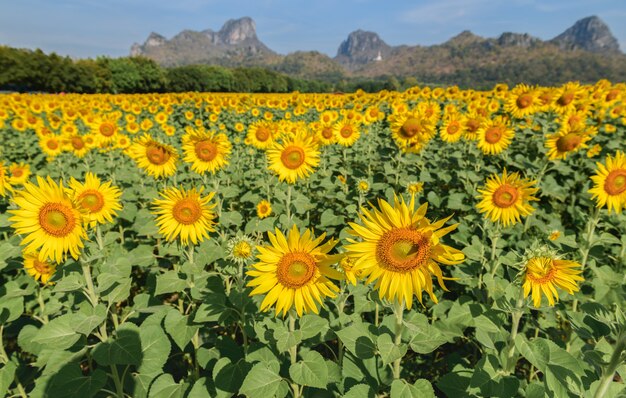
pixel 180 328
pixel 420 389
pixel 310 371
pixel 261 381
pixel 122 348
pixel 59 333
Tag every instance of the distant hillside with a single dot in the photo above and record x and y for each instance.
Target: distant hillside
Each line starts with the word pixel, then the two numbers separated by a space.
pixel 587 51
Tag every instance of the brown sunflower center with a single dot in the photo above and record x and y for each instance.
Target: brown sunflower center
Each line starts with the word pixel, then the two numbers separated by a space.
pixel 453 128
pixel 17 172
pixel 615 182
pixel 524 101
pixel 206 150
pixel 107 129
pixel 292 157
pixel 294 270
pixel 493 134
pixel 42 267
pixel 612 95
pixel 566 98
pixel 52 144
pixel 473 125
pixel 91 200
pixel 187 211
pixel 57 219
pixel 505 196
pixel 568 142
pixel 403 249
pixel 157 154
pixel 262 134
pixel 77 143
pixel 327 133
pixel 346 131
pixel 410 128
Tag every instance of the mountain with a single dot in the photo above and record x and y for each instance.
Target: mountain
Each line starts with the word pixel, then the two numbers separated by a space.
pixel 234 44
pixel 587 51
pixel 590 34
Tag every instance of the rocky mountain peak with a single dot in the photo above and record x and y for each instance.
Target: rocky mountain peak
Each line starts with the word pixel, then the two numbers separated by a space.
pixel 362 47
pixel 590 34
pixel 509 39
pixel 235 31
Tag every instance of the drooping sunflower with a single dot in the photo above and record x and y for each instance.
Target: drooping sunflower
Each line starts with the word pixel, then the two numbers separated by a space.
pixel 50 220
pixel 99 201
pixel 263 209
pixel 158 159
pixel 294 158
pixel 609 183
pixel 206 151
pixel 262 134
pixel 545 273
pixel 566 141
pixel 401 249
pixel 506 198
pixel 185 214
pixel 294 271
pixel 347 132
pixel 40 270
pixel 495 135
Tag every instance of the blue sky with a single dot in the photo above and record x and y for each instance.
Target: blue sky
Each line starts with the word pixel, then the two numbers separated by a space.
pixel 88 28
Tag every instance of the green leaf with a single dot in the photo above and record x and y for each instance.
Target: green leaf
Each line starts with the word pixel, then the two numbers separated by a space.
pixel 310 371
pixel 87 321
pixel 58 333
pixel 11 308
pixel 179 328
pixel 169 282
pixel 356 338
pixel 261 381
pixel 164 386
pixel 231 218
pixel 69 283
pixel 286 339
pixel 360 391
pixel 426 338
pixel 155 349
pixel 455 383
pixel 388 351
pixel 421 389
pixel 123 348
pixel 70 382
pixel 228 376
pixel 7 373
pixel 329 218
pixel 311 325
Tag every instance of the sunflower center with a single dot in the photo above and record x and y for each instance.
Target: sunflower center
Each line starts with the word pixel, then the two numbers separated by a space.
pixel 346 131
pixel 327 133
pixel 294 270
pixel 493 134
pixel 403 249
pixel 524 101
pixel 566 98
pixel 41 267
pixel 505 196
pixel 56 219
pixel 206 150
pixel 262 134
pixel 615 182
pixel 410 128
pixel 17 172
pixel 568 142
pixel 292 157
pixel 612 95
pixel 187 211
pixel 540 270
pixel 107 129
pixel 242 250
pixel 52 144
pixel 77 143
pixel 453 128
pixel 91 200
pixel 473 125
pixel 157 155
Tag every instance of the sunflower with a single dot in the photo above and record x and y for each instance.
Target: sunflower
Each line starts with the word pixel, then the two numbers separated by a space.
pixel 185 214
pixel 325 134
pixel 544 273
pixel 347 266
pixel 5 182
pixel 40 270
pixel 263 209
pixel 240 249
pixel 565 98
pixel 99 201
pixel 522 101
pixel 51 145
pixel 415 187
pixel 18 173
pixel 566 141
pixel 50 219
pixel 206 151
pixel 363 186
pixel 400 249
pixel 105 128
pixel 159 160
pixel 346 132
pixel 411 130
pixel 262 134
pixel 294 271
pixel 452 128
pixel 506 199
pixel 294 158
pixel 495 135
pixel 78 145
pixel 610 183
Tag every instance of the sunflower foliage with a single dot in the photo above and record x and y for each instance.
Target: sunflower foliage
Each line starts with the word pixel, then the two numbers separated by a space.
pixel 432 242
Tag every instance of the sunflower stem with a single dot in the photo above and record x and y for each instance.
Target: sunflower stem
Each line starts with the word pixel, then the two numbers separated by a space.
pixel 288 205
pixel 91 291
pixel 608 373
pixel 516 316
pixel 398 309
pixel 495 236
pixel 591 228
pixel 293 352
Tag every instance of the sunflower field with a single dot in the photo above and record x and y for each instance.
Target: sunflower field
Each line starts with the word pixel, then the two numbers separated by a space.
pixel 432 242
